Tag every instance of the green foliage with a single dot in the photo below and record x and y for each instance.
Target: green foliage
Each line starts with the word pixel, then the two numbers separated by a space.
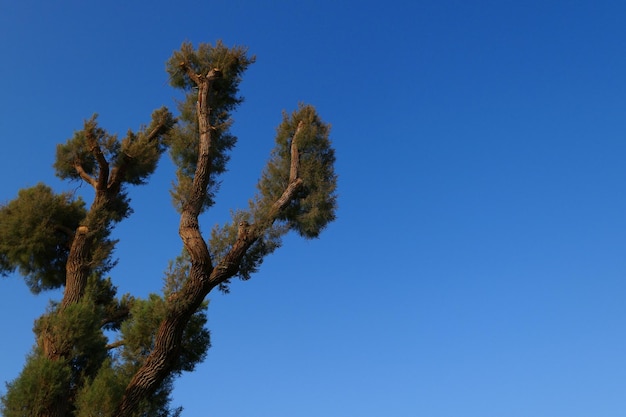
pixel 129 161
pixel 97 377
pixel 311 209
pixel 176 274
pixel 42 382
pixel 315 204
pixel 224 237
pixel 232 62
pixel 101 395
pixel 78 331
pixel 137 154
pixel 78 327
pixel 111 309
pixel 142 150
pixel 78 151
pixel 139 332
pixel 36 231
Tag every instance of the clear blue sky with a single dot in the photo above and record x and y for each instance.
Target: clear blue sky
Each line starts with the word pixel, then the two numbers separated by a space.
pixel 477 267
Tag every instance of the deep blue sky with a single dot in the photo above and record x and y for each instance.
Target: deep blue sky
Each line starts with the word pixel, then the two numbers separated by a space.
pixel 477 266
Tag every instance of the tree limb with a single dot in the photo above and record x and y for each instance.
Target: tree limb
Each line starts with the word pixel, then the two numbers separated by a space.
pixel 185 66
pixel 116 317
pixel 295 155
pixel 248 234
pixel 103 175
pixel 118 172
pixel 158 130
pixel 65 230
pixel 285 198
pixel 115 344
pixel 189 229
pixel 86 177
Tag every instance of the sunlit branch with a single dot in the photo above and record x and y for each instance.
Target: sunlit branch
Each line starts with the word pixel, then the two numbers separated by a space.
pixel 86 177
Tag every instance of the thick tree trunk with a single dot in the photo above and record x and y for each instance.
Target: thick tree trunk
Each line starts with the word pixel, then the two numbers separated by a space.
pixel 77 268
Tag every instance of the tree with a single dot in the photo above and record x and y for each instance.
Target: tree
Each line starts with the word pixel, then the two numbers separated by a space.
pixel 56 240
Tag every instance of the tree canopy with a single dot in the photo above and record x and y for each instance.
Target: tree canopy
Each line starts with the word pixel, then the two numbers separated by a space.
pixel 98 353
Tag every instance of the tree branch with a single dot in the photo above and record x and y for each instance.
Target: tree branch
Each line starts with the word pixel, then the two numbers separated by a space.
pixel 115 344
pixel 103 175
pixel 86 177
pixel 295 155
pixel 189 229
pixel 248 234
pixel 119 170
pixel 116 317
pixel 285 198
pixel 157 131
pixel 194 77
pixel 65 230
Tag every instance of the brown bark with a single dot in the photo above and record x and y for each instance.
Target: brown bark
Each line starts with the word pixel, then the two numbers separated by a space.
pixel 77 268
pixel 79 259
pixel 85 177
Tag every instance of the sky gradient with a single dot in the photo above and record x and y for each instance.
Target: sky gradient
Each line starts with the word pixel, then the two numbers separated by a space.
pixel 477 266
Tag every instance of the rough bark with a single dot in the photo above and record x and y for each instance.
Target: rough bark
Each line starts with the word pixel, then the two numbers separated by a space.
pixel 77 268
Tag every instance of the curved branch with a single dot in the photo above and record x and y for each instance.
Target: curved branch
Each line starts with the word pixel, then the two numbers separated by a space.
pixel 189 229
pixel 86 177
pixel 185 66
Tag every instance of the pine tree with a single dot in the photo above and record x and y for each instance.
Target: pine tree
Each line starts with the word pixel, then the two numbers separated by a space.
pixel 59 241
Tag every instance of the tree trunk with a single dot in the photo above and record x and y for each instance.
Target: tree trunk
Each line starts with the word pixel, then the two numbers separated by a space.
pixel 77 269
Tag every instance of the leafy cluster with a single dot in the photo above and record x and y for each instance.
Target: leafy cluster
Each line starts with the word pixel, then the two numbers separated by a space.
pixel 184 140
pixel 42 382
pixel 315 204
pixel 101 395
pixel 79 327
pixel 307 213
pixel 139 332
pixel 96 371
pixel 36 231
pixel 134 158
